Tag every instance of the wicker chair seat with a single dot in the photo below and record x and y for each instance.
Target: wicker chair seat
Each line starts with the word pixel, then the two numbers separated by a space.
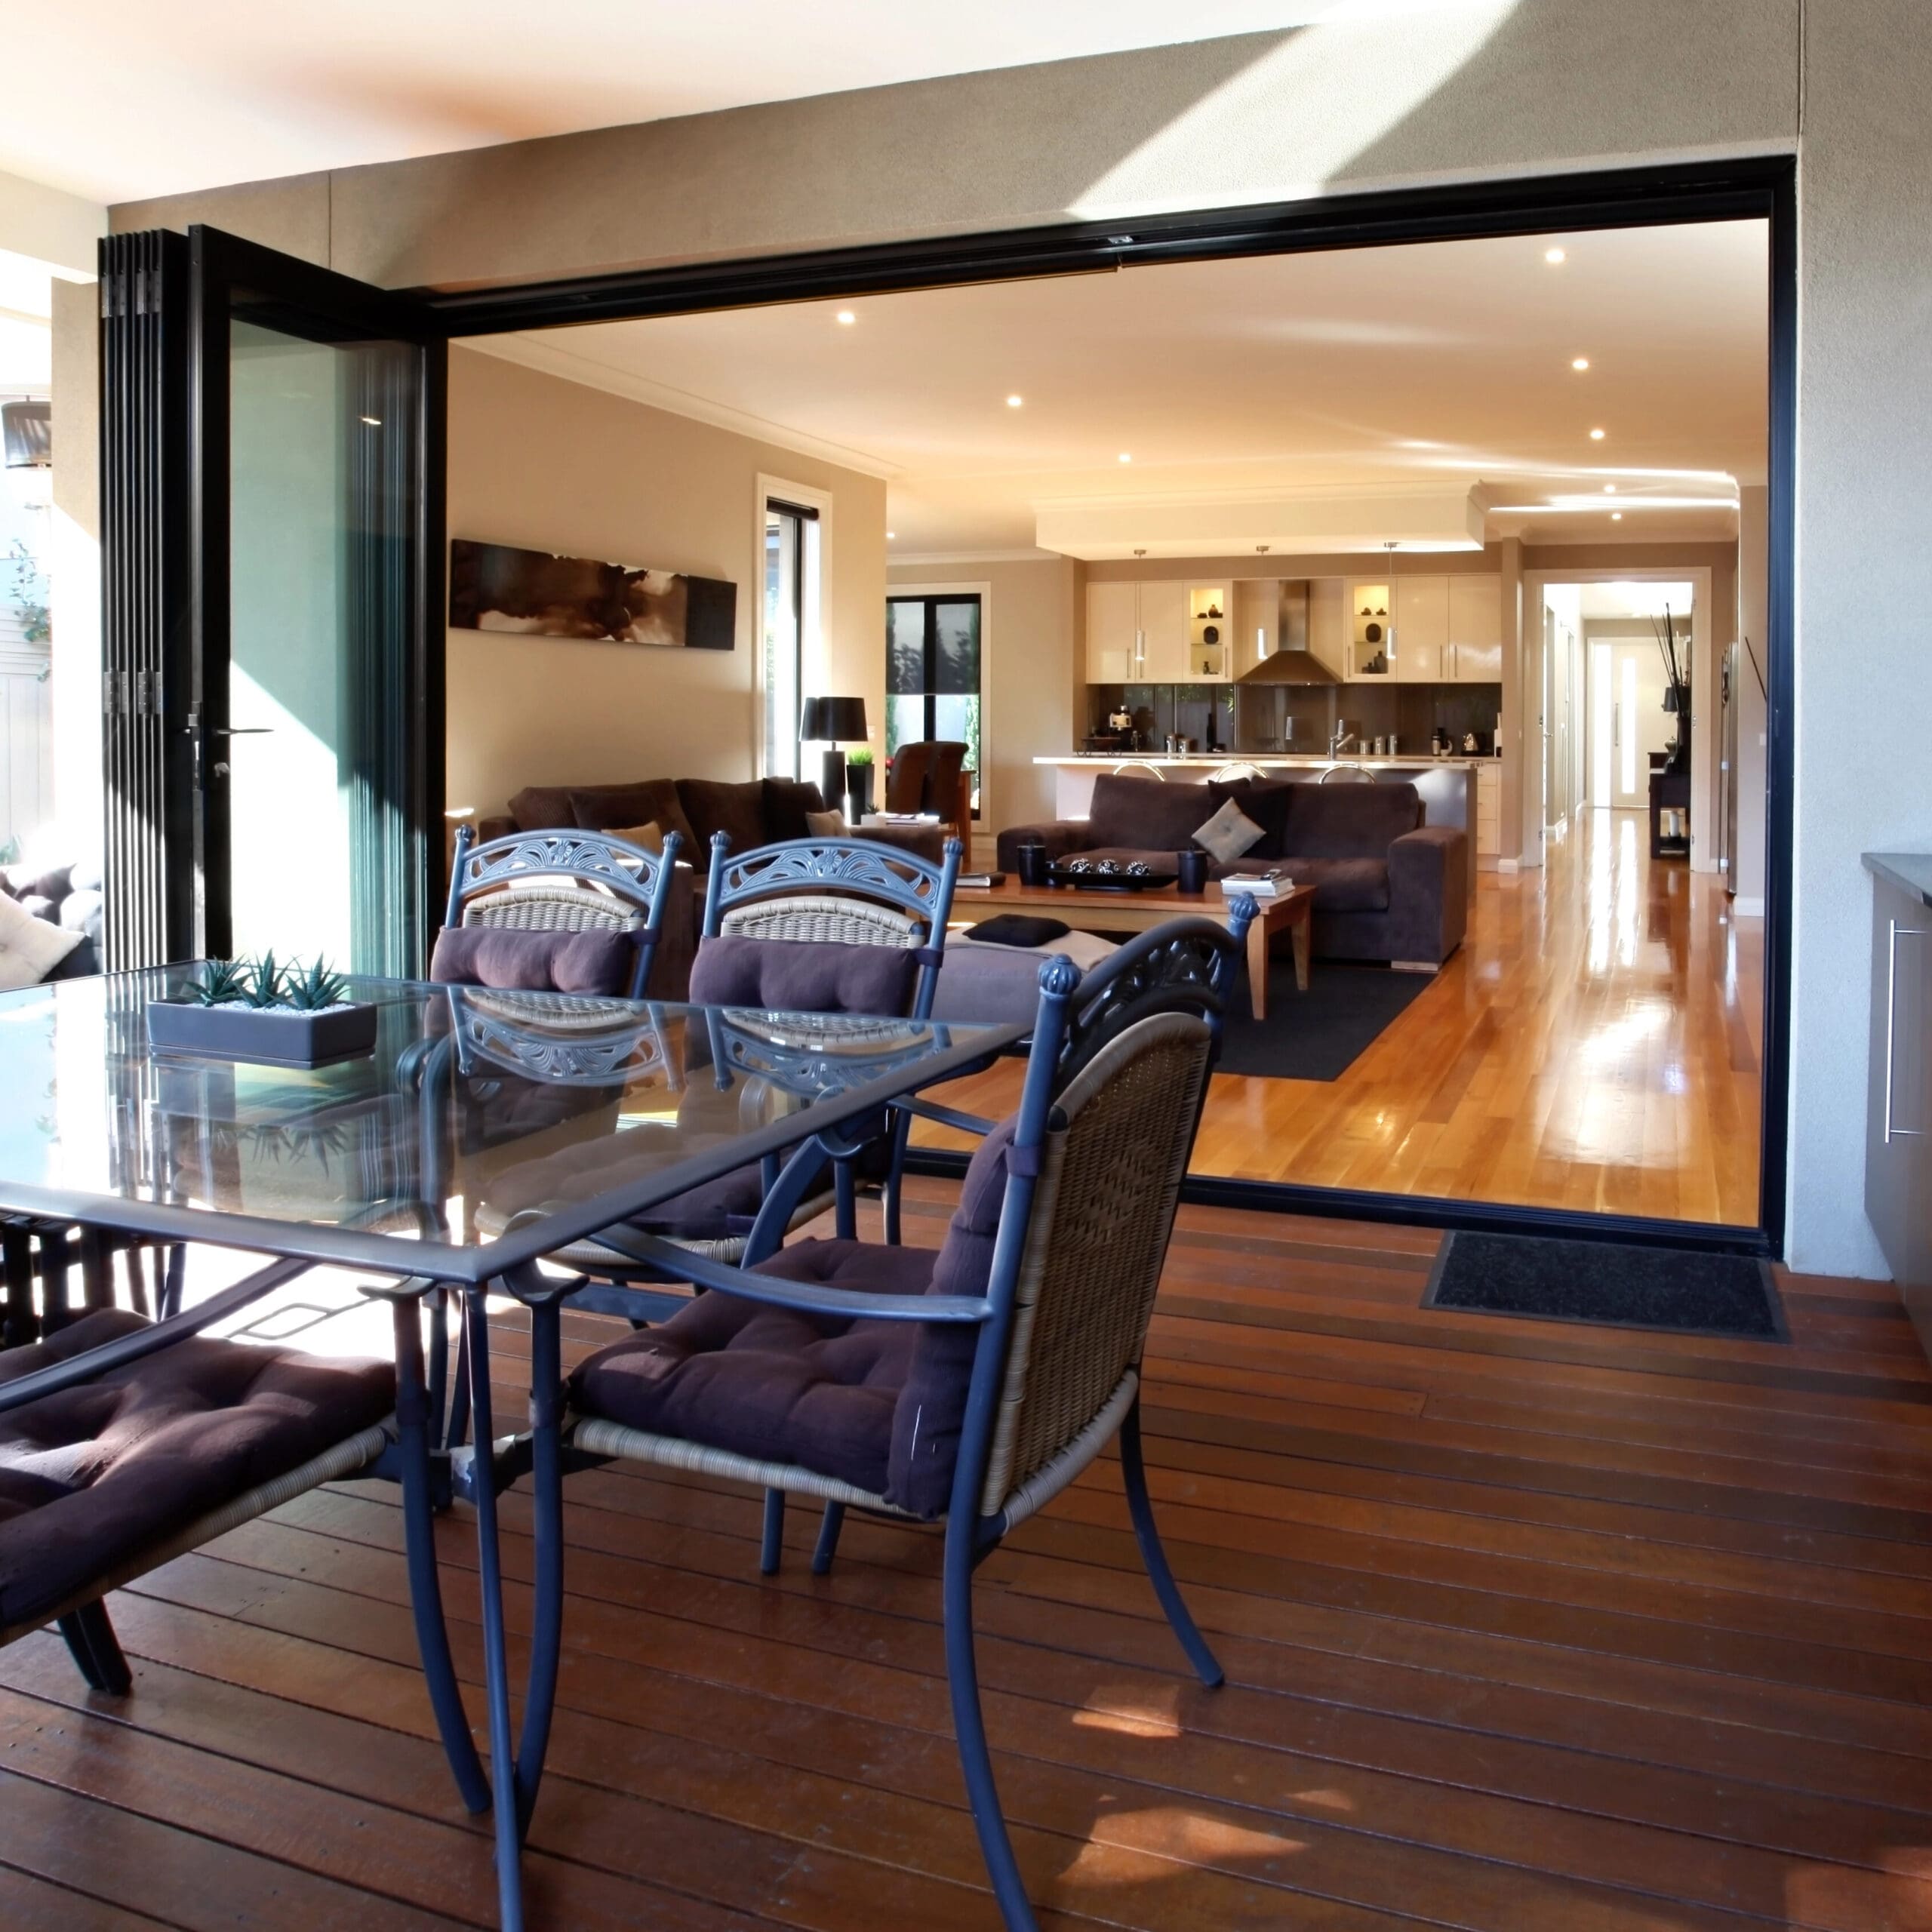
pixel 95 1478
pixel 822 917
pixel 876 1405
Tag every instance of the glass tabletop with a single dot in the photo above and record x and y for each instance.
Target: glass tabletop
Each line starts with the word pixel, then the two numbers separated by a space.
pixel 482 1129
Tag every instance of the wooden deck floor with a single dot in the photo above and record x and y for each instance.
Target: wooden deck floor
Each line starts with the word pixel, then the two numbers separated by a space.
pixel 1527 1626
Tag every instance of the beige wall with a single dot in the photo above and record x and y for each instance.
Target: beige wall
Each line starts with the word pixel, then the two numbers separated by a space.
pixel 553 465
pixel 1494 87
pixel 1029 675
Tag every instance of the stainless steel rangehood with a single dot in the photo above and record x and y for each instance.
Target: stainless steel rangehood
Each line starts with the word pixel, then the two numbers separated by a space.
pixel 1288 660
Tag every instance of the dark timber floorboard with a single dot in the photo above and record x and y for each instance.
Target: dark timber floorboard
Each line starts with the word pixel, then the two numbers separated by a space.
pixel 1528 1629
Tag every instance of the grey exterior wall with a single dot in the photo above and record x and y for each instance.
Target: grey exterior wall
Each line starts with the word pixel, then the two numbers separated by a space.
pixel 1494 88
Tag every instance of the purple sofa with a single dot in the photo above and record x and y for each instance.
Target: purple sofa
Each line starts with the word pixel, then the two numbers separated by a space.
pixel 1387 886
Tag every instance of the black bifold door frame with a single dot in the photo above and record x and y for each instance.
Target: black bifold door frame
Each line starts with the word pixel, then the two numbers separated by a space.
pixel 1751 188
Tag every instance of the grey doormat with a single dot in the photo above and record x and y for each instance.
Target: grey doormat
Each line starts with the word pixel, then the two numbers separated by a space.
pixel 1618 1284
pixel 1314 1035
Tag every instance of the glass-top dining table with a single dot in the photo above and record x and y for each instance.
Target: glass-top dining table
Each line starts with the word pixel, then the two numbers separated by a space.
pixel 481 1133
pixel 399 1160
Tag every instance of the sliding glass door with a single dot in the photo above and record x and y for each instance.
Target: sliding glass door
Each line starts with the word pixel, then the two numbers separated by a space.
pixel 314 725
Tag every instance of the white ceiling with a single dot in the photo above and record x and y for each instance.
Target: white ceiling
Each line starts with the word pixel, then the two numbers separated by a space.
pixel 1446 365
pixel 120 98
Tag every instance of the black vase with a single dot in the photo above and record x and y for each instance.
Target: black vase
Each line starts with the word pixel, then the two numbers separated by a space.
pixel 858 791
pixel 1192 868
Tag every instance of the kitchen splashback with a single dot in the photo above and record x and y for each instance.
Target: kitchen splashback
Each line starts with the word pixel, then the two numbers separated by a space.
pixel 1298 718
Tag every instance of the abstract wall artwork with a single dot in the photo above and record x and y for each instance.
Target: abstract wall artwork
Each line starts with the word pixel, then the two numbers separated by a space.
pixel 497 587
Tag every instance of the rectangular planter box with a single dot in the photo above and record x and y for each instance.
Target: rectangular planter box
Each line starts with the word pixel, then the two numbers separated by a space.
pixel 268 1037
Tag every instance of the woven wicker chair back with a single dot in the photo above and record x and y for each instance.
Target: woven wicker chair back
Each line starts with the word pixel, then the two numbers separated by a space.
pixel 552 907
pixel 824 915
pixel 1096 1242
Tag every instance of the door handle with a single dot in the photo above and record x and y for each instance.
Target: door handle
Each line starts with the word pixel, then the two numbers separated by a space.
pixel 1894 932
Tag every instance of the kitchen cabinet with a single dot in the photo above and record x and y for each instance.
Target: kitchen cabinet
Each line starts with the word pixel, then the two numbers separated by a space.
pixel 1254 623
pixel 1210 634
pixel 1368 633
pixel 1474 653
pixel 1113 629
pixel 1898 1132
pixel 1163 621
pixel 1137 633
pixel 1422 629
pixel 1328 623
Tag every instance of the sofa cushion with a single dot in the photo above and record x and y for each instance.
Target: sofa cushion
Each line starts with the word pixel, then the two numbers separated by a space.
pixel 31 947
pixel 1228 833
pixel 1146 812
pixel 1344 885
pixel 1349 821
pixel 789 804
pixel 1266 801
pixel 561 962
pixel 803 975
pixel 826 825
pixel 605 807
pixel 878 1405
pixel 737 811
pixel 93 1476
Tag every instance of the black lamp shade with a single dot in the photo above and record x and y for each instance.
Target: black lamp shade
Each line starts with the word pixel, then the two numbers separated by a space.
pixel 1670 700
pixel 833 721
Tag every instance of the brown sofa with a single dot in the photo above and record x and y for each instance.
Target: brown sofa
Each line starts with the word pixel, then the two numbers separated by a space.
pixel 1387 885
pixel 757 811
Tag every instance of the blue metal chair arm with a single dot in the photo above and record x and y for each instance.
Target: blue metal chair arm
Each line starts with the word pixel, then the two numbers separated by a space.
pixel 952 1117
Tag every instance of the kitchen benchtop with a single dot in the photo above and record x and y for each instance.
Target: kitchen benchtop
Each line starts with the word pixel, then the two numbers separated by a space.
pixel 1214 760
pixel 1910 871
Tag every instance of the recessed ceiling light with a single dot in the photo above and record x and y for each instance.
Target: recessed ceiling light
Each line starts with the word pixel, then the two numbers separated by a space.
pixel 1014 402
pixel 1596 435
pixel 1125 457
pixel 1579 361
pixel 1553 256
pixel 890 534
pixel 1610 489
pixel 1616 516
pixel 846 316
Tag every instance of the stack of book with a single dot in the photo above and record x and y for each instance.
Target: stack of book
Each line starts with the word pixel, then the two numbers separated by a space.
pixel 1262 885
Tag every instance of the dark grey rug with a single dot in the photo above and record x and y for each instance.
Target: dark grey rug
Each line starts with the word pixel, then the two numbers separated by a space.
pixel 1316 1035
pixel 1610 1282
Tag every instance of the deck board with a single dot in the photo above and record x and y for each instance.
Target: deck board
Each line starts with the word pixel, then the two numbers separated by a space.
pixel 1527 1626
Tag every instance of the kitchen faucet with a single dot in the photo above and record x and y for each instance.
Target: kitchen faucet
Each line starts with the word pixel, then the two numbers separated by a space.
pixel 1340 740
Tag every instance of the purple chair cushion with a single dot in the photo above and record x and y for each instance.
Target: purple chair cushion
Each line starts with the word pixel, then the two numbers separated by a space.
pixel 737 810
pixel 1349 821
pixel 1146 812
pixel 91 1477
pixel 803 976
pixel 879 1404
pixel 559 962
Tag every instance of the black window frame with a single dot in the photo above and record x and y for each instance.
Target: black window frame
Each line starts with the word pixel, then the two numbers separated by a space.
pixel 929 656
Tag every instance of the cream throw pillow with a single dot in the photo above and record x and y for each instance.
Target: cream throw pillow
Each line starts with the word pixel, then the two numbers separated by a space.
pixel 649 836
pixel 826 825
pixel 30 949
pixel 1228 834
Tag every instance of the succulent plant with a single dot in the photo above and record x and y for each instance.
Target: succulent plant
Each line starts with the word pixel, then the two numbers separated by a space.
pixel 265 986
pixel 223 982
pixel 311 988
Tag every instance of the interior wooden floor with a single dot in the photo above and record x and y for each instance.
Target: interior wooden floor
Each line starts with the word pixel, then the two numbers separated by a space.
pixel 1595 1044
pixel 1528 1627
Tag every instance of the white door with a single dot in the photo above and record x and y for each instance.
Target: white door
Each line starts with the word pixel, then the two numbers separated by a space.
pixel 1111 624
pixel 1164 632
pixel 1422 629
pixel 1628 722
pixel 1475 630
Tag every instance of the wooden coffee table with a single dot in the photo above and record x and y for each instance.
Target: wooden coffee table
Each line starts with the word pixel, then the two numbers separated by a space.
pixel 1091 912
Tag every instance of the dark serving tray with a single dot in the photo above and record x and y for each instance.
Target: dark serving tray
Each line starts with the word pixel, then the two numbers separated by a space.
pixel 1110 881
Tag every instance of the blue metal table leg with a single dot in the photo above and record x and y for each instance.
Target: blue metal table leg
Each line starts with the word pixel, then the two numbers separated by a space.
pixel 827 1546
pixel 547 1479
pixel 413 1410
pixel 496 1660
pixel 771 1545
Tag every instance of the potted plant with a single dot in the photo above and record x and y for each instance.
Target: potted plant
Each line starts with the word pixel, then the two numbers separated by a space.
pixel 858 783
pixel 266 1012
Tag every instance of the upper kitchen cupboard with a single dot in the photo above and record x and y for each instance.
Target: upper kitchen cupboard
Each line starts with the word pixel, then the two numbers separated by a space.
pixel 1474 653
pixel 1137 633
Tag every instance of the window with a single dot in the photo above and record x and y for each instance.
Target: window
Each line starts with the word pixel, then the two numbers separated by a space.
pixel 932 674
pixel 791 582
